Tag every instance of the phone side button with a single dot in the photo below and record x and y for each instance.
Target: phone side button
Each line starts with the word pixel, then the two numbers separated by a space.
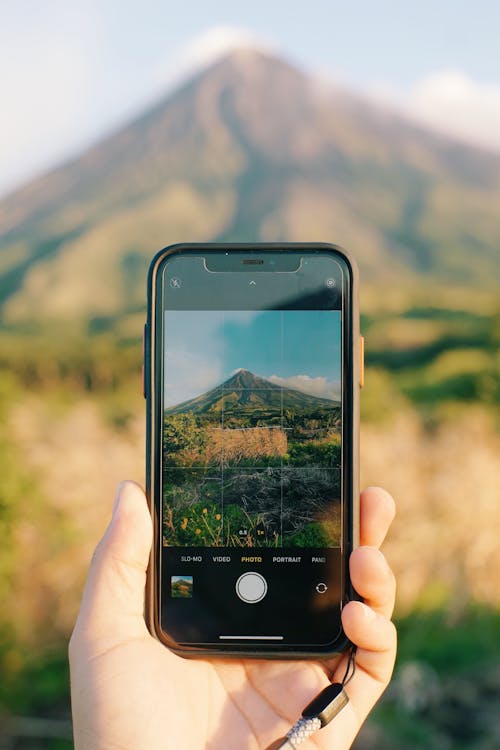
pixel 361 361
pixel 145 360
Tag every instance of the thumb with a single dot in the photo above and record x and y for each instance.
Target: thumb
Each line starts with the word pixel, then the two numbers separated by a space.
pixel 113 601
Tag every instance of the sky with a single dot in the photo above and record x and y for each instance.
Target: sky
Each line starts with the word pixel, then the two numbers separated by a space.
pixel 294 348
pixel 73 71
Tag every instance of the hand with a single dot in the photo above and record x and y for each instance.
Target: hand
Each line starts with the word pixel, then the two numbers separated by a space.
pixel 129 692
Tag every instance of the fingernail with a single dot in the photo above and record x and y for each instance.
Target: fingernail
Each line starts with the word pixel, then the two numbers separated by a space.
pixel 369 613
pixel 118 494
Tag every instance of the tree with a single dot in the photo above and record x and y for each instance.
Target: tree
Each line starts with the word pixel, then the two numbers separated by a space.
pixel 181 432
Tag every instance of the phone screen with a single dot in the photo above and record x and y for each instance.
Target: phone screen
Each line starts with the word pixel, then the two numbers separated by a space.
pixel 252 527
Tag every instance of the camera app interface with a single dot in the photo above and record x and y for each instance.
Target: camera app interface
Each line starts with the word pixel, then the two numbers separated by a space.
pixel 251 460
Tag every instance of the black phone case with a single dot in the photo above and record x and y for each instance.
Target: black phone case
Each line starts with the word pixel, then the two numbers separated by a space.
pixel 152 386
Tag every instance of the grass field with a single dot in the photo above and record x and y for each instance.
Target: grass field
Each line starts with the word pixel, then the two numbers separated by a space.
pixel 430 433
pixel 267 477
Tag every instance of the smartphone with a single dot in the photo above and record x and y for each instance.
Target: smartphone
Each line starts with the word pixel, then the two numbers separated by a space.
pixel 252 376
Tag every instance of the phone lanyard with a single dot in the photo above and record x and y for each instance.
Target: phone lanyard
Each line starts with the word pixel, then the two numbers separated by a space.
pixel 320 711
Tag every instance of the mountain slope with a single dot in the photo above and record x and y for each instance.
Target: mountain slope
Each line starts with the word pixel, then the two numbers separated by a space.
pixel 246 390
pixel 250 149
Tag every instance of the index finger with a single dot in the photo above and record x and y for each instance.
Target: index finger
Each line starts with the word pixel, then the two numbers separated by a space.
pixel 377 510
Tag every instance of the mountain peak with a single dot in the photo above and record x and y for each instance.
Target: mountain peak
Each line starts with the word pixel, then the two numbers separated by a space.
pixel 249 391
pixel 248 149
pixel 242 378
pixel 222 41
pixel 249 53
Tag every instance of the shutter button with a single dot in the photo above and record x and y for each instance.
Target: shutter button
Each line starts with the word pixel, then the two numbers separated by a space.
pixel 251 587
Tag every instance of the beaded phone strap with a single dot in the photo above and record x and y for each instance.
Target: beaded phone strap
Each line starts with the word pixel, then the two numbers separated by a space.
pixel 320 711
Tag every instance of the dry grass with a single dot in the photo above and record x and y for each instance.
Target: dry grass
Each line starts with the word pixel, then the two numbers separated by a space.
pixel 78 460
pixel 443 544
pixel 246 443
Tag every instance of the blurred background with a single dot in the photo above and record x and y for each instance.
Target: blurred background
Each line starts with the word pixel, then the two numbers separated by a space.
pixel 127 126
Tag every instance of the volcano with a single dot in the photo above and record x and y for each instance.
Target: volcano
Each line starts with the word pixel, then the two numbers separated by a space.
pixel 246 391
pixel 249 148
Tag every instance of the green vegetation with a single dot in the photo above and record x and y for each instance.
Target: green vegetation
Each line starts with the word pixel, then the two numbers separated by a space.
pixel 262 507
pixel 204 524
pixel 314 453
pixel 35 683
pixel 267 456
pixel 425 359
pixel 445 691
pixel 33 661
pixel 432 358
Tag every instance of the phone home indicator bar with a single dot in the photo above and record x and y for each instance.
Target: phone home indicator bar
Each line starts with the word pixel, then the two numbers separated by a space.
pixel 251 637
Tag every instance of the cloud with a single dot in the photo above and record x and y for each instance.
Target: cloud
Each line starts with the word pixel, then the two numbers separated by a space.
pixel 194 353
pixel 454 103
pixel 217 41
pixel 204 49
pixel 319 386
pixel 241 317
pixel 188 374
pixel 451 102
